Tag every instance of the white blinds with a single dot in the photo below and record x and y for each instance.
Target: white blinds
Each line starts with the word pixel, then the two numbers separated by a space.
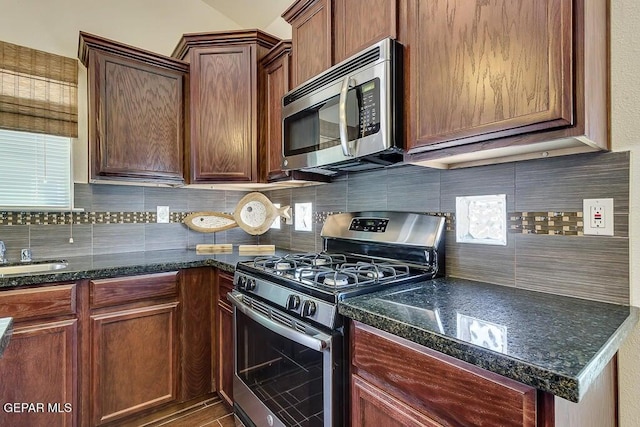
pixel 35 171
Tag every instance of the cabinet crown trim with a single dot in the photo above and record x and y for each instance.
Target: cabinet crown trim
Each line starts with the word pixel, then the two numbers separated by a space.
pixel 225 38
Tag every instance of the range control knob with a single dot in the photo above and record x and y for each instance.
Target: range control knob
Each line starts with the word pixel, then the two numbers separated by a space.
pixel 242 282
pixel 308 308
pixel 251 284
pixel 293 302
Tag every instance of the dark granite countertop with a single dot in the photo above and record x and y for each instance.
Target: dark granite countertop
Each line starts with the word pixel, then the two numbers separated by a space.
pixel 6 328
pixel 129 263
pixel 556 344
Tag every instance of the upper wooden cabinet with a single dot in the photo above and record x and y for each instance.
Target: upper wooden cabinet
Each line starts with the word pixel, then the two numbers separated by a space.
pixel 136 112
pixel 505 80
pixel 311 38
pixel 226 95
pixel 358 24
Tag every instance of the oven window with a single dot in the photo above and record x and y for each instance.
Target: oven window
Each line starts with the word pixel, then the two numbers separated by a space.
pixel 286 376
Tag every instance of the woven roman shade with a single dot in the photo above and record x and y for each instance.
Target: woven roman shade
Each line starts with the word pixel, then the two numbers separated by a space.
pixel 38 91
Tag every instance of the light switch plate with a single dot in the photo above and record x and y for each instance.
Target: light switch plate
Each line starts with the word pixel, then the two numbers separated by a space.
pixel 598 217
pixel 162 214
pixel 482 219
pixel 303 217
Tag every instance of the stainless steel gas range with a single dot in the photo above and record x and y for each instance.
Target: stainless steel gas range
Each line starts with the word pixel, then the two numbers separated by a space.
pixel 290 361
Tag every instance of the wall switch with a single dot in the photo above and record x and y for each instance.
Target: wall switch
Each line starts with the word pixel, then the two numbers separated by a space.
pixel 162 214
pixel 598 216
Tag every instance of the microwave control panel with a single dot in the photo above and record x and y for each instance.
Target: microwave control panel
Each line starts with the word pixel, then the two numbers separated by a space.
pixel 374 225
pixel 369 107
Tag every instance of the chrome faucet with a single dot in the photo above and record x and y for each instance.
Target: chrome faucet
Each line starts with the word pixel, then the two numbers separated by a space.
pixel 3 251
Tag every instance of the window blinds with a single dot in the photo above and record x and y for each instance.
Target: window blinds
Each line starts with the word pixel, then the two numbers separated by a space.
pixel 38 91
pixel 35 171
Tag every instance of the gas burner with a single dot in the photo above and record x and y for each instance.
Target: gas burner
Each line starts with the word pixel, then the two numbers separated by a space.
pixel 319 261
pixel 336 280
pixel 283 265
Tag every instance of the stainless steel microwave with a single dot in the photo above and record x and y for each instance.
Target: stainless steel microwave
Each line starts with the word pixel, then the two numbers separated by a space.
pixel 349 117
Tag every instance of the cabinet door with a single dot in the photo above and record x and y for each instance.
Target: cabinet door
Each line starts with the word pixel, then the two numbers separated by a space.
pixel 39 368
pixel 483 70
pixel 136 120
pixel 224 340
pixel 358 24
pixel 311 40
pixel 371 406
pixel 277 74
pixel 134 362
pixel 223 115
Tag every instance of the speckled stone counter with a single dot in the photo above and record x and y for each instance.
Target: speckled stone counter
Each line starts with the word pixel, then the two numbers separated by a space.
pixel 129 263
pixel 6 328
pixel 556 344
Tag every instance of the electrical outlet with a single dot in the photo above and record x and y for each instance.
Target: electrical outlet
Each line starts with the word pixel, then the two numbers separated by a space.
pixel 162 214
pixel 598 216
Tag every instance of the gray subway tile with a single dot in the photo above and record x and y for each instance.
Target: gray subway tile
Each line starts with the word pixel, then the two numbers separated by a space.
pixel 367 191
pixel 15 238
pixel 413 189
pixel 52 241
pixel 117 198
pixel 165 236
pixel 206 200
pixel 477 181
pixel 332 197
pixel 175 198
pixel 116 238
pixel 83 196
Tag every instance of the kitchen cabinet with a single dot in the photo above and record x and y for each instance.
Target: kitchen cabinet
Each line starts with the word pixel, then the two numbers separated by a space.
pixel 40 365
pixel 311 37
pixel 357 25
pixel 401 383
pixel 502 81
pixel 136 112
pixel 224 339
pixel 226 114
pixel 395 381
pixel 134 358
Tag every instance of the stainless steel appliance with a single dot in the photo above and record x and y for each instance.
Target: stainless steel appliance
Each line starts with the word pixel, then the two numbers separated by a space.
pixel 289 337
pixel 347 118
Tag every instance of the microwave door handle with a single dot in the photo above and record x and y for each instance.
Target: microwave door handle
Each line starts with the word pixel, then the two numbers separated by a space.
pixel 319 342
pixel 342 111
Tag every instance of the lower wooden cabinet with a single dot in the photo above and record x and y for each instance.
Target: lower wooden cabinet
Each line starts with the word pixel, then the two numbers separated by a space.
pixel 403 383
pixel 224 339
pixel 134 363
pixel 39 367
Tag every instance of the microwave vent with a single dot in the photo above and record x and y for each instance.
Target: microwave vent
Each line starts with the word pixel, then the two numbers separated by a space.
pixel 368 57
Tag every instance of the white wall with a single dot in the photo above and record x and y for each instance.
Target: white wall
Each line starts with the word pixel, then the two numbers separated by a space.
pixel 625 133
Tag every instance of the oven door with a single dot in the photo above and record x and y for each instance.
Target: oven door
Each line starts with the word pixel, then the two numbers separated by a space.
pixel 287 373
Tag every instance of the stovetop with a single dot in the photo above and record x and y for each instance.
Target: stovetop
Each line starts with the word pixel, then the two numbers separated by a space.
pixel 364 252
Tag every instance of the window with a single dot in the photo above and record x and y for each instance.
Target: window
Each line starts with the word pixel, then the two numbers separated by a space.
pixel 35 171
pixel 38 118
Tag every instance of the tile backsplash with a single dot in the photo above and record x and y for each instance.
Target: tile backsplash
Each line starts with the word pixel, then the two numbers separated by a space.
pixel 545 249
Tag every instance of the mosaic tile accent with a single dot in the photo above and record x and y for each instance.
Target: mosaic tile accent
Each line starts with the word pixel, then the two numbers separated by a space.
pixel 552 223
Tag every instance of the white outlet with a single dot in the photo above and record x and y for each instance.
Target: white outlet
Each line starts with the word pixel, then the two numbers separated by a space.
pixel 598 216
pixel 162 214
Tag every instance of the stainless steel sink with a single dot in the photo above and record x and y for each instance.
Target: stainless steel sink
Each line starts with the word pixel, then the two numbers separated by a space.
pixel 32 268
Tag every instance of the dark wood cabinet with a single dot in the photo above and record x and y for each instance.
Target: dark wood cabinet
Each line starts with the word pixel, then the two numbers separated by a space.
pixel 40 365
pixel 358 24
pixel 395 379
pixel 136 112
pixel 505 80
pixel 134 364
pixel 226 113
pixel 224 339
pixel 311 36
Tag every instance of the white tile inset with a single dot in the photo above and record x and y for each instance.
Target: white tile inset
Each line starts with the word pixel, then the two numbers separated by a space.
pixel 482 219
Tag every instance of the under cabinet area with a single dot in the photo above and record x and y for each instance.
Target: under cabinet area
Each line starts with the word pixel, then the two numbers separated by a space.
pixel 40 366
pixel 136 112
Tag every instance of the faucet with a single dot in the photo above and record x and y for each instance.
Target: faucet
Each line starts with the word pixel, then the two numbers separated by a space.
pixel 3 251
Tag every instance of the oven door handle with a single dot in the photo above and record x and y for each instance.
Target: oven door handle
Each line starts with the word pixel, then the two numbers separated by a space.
pixel 318 342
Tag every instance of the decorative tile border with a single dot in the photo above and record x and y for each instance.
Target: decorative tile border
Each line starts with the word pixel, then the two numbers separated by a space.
pixel 551 223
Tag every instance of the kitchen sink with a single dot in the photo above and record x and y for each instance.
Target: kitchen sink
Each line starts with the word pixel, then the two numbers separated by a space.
pixel 38 267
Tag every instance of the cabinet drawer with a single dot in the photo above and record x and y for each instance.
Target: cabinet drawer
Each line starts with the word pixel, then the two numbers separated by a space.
pixel 448 390
pixel 121 290
pixel 49 301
